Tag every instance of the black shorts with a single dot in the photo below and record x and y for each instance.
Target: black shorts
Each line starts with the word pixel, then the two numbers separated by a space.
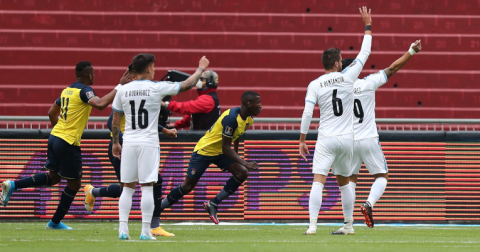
pixel 64 158
pixel 115 161
pixel 199 164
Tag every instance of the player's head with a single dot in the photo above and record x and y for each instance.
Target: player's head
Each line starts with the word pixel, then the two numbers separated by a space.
pixel 346 62
pixel 144 65
pixel 332 60
pixel 252 102
pixel 133 74
pixel 209 79
pixel 84 72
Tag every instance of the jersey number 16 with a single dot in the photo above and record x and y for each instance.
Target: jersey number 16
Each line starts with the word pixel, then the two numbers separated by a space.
pixel 142 115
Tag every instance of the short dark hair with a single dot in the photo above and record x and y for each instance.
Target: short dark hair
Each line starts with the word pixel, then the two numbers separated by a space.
pixel 346 62
pixel 329 57
pixel 141 61
pixel 249 96
pixel 82 65
pixel 130 68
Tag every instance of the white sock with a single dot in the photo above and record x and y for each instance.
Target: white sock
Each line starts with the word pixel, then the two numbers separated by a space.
pixel 377 190
pixel 315 203
pixel 147 205
pixel 124 206
pixel 352 186
pixel 347 204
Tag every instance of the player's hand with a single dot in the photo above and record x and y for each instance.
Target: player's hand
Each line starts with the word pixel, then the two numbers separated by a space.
pixel 204 62
pixel 126 78
pixel 303 149
pixel 252 165
pixel 172 133
pixel 117 150
pixel 417 46
pixel 366 15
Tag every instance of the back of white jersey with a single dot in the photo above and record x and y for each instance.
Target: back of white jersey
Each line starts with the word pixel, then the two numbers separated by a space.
pixel 140 101
pixel 364 104
pixel 334 94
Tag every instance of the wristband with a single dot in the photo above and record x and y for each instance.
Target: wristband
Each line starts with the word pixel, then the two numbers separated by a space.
pixel 118 87
pixel 368 27
pixel 411 50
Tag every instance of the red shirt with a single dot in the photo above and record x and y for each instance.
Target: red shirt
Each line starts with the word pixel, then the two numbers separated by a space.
pixel 203 104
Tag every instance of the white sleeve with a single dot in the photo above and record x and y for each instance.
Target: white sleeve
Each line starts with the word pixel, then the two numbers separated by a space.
pixel 117 103
pixel 169 88
pixel 307 117
pixel 376 80
pixel 353 71
pixel 311 95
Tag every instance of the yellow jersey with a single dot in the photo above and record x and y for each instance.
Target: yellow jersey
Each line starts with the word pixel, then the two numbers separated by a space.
pixel 74 112
pixel 229 124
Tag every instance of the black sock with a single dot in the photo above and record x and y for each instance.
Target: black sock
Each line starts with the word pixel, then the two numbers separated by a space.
pixel 175 195
pixel 157 199
pixel 39 179
pixel 230 187
pixel 65 202
pixel 112 191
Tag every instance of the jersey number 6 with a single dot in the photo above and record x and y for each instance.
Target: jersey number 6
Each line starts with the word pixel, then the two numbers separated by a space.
pixel 337 104
pixel 142 115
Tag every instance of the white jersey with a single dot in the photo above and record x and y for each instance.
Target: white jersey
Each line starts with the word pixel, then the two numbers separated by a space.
pixel 364 104
pixel 334 94
pixel 140 101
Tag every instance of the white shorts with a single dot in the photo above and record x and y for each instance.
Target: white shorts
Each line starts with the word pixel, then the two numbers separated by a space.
pixel 370 152
pixel 139 163
pixel 335 152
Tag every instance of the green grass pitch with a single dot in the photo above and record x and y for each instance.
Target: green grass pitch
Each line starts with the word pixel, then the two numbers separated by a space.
pixel 103 236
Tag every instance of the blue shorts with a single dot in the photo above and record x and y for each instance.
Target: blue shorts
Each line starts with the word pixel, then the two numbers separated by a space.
pixel 115 161
pixel 64 158
pixel 199 164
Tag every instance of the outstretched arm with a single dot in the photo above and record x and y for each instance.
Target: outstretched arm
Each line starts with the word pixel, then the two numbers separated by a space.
pixel 356 67
pixel 400 62
pixel 193 79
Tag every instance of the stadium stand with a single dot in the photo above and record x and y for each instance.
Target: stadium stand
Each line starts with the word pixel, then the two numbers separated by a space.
pixel 272 49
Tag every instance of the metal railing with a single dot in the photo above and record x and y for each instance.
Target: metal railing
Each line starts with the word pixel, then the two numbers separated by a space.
pixel 270 123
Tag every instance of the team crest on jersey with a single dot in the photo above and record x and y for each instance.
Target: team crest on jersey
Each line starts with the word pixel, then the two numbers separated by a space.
pixel 90 94
pixel 228 131
pixel 193 172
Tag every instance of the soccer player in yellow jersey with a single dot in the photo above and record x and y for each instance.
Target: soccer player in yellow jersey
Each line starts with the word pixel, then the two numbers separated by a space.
pixel 64 157
pixel 216 147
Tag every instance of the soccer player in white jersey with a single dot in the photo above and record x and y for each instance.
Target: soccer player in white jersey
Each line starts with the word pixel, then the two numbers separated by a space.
pixel 367 147
pixel 140 101
pixel 333 92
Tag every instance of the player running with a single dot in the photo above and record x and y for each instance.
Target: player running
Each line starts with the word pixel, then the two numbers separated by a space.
pixel 333 92
pixel 64 156
pixel 115 190
pixel 367 147
pixel 140 102
pixel 215 147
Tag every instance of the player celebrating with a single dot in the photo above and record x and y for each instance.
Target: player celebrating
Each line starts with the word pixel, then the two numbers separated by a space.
pixel 367 147
pixel 216 147
pixel 140 100
pixel 64 157
pixel 333 92
pixel 115 190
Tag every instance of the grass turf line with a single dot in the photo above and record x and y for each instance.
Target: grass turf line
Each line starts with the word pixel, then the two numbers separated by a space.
pixel 92 237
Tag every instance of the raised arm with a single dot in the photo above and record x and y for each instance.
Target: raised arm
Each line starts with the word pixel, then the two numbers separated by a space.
pixel 356 67
pixel 193 79
pixel 400 62
pixel 102 103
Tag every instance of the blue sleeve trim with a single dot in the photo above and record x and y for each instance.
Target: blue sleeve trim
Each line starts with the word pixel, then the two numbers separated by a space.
pixel 179 87
pixel 117 110
pixel 344 70
pixel 384 74
pixel 58 102
pixel 160 128
pixel 359 61
pixel 311 102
